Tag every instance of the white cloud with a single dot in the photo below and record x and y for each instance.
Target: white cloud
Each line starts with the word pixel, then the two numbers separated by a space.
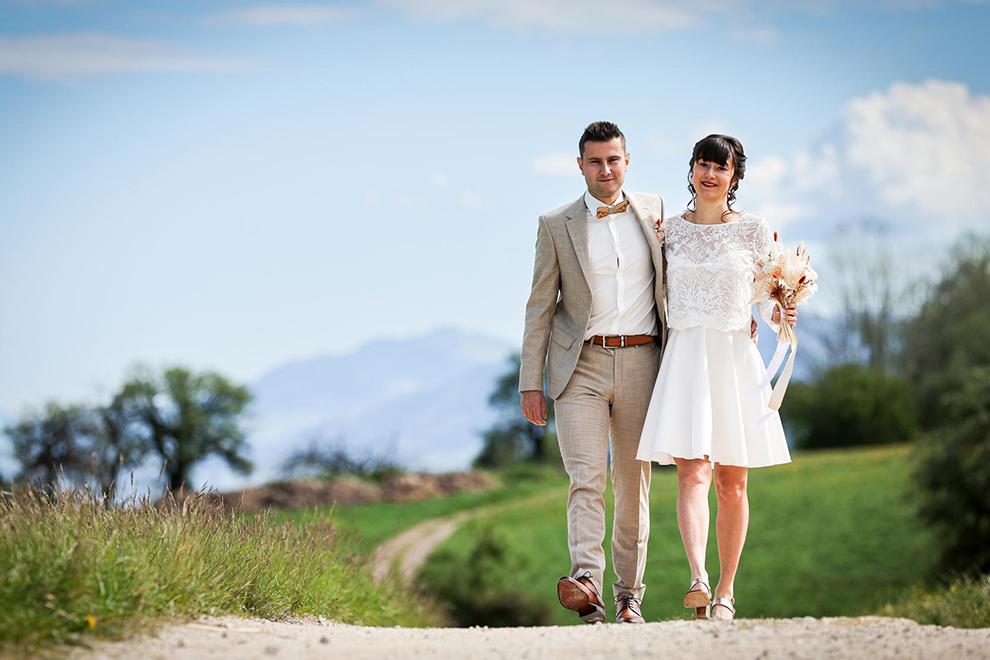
pixel 912 152
pixel 88 54
pixel 924 146
pixel 296 15
pixel 561 163
pixel 470 200
pixel 439 179
pixel 584 16
pixel 786 189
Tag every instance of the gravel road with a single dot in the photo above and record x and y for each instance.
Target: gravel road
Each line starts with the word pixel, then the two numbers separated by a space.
pixel 874 638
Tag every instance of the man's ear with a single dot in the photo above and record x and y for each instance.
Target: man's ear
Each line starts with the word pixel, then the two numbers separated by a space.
pixel 580 162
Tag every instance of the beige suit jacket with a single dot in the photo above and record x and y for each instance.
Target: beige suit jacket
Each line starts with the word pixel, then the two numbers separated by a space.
pixel 559 307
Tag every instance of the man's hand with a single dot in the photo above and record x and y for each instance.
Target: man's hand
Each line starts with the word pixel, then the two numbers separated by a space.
pixel 790 314
pixel 534 406
pixel 754 330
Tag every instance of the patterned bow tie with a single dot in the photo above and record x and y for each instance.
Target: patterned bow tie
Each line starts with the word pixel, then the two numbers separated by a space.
pixel 606 210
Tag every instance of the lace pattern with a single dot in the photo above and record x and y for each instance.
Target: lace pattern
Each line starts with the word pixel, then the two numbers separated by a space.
pixel 710 272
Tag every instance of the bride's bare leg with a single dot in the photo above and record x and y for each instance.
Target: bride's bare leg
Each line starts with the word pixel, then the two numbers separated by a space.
pixel 694 479
pixel 731 523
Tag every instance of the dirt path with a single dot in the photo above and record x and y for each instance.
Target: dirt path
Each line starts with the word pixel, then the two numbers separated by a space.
pixel 872 638
pixel 409 550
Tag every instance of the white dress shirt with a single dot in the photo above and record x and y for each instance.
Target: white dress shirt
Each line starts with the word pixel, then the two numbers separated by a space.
pixel 622 274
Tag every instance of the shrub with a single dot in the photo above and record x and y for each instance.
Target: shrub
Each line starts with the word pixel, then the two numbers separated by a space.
pixel 850 405
pixel 962 603
pixel 953 470
pixel 949 333
pixel 474 586
pixel 329 459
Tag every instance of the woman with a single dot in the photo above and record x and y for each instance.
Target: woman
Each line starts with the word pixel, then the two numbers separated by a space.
pixel 708 413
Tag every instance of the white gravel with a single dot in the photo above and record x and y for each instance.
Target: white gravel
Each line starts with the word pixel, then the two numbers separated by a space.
pixel 864 637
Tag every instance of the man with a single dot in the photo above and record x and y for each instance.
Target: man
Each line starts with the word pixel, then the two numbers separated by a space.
pixel 595 319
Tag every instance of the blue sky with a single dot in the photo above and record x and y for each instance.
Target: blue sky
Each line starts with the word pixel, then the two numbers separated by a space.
pixel 230 185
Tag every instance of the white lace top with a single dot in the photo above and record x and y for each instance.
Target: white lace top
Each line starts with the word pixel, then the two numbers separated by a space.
pixel 710 272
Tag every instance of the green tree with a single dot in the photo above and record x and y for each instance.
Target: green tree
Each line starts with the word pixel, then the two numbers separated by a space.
pixel 953 469
pixel 947 358
pixel 117 440
pixel 949 334
pixel 189 417
pixel 511 438
pixel 48 444
pixel 848 405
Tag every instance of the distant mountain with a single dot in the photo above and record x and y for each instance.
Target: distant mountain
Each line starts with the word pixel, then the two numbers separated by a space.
pixel 422 401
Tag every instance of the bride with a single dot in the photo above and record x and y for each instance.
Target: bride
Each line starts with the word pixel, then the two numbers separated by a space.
pixel 709 413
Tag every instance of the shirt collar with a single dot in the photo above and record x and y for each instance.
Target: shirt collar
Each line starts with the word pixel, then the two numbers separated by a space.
pixel 593 203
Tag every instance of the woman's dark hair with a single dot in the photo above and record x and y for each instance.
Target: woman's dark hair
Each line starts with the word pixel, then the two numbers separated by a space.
pixel 717 149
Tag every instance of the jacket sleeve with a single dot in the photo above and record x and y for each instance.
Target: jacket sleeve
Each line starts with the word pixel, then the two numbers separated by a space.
pixel 539 311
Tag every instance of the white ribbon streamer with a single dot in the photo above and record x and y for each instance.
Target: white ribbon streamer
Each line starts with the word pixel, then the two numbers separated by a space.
pixel 786 339
pixel 780 387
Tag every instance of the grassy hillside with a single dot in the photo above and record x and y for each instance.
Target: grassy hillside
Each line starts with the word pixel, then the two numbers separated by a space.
pixel 831 534
pixel 364 526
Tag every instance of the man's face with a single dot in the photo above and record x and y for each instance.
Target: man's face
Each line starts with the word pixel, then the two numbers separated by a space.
pixel 604 168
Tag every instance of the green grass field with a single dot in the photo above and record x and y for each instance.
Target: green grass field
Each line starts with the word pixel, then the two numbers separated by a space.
pixel 363 527
pixel 833 533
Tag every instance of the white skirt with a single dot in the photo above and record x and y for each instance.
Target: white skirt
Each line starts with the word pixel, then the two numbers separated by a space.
pixel 710 401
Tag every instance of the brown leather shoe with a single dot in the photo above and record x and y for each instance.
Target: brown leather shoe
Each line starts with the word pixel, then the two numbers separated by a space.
pixel 579 594
pixel 627 610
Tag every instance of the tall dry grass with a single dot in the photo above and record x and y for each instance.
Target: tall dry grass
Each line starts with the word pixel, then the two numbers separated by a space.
pixel 72 567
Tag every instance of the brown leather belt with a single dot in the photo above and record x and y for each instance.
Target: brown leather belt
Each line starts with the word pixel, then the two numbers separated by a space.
pixel 621 341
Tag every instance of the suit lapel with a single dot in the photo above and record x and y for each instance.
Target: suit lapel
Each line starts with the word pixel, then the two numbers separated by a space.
pixel 577 229
pixel 649 230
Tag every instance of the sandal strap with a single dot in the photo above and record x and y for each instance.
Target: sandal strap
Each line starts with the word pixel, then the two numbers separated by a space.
pixel 726 602
pixel 699 581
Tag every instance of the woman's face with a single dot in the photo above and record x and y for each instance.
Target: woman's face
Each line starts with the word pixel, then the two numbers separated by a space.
pixel 711 180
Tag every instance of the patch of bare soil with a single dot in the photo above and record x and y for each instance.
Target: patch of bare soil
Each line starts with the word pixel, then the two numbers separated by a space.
pixel 346 490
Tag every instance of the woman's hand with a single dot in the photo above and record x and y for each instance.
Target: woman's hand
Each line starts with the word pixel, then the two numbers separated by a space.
pixel 790 313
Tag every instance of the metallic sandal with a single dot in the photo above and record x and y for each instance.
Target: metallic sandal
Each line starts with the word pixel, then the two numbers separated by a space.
pixel 699 597
pixel 728 611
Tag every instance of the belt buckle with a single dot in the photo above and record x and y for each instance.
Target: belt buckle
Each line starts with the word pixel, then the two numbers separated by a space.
pixel 622 341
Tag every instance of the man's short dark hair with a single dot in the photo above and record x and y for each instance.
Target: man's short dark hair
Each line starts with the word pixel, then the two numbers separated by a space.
pixel 600 131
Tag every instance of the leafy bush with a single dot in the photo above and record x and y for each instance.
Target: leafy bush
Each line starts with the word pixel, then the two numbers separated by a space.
pixel 474 585
pixel 962 603
pixel 948 335
pixel 328 459
pixel 953 470
pixel 850 405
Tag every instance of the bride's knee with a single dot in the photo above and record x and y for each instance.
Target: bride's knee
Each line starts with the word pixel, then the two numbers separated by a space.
pixel 693 473
pixel 730 483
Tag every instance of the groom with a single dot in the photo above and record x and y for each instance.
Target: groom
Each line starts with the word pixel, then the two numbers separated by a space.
pixel 595 319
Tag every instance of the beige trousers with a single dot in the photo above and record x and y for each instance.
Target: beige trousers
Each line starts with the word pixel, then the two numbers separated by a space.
pixel 607 397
